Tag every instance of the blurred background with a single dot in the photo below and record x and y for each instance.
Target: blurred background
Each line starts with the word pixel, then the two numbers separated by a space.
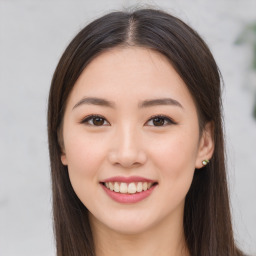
pixel 33 35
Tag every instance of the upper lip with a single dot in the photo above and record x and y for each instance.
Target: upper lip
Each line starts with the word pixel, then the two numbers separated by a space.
pixel 127 179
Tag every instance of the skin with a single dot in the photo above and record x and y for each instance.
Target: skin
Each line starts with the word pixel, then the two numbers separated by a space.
pixel 130 144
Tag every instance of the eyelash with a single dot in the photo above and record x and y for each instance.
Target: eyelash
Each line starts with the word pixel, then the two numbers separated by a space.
pixel 167 120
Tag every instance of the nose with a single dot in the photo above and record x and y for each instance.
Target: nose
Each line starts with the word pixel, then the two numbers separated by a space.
pixel 127 149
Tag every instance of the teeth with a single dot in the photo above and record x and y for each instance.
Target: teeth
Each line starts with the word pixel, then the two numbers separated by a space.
pixel 111 186
pixel 123 188
pixel 130 188
pixel 139 187
pixel 116 187
pixel 144 186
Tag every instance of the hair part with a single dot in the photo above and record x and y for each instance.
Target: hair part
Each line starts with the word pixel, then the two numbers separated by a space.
pixel 207 219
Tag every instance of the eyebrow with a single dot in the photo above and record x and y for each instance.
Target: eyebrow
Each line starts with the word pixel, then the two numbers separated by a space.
pixel 143 104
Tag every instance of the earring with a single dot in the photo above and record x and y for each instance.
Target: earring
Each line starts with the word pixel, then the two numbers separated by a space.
pixel 205 162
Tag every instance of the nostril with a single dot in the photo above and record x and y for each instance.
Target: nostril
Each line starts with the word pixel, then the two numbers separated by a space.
pixel 127 157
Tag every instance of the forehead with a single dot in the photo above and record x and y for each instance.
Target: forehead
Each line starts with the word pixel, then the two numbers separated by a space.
pixel 132 74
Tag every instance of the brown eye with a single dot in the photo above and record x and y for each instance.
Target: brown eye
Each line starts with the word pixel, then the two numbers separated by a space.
pixel 160 121
pixel 95 121
pixel 98 121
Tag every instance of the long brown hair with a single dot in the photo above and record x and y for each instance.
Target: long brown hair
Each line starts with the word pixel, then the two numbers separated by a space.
pixel 207 220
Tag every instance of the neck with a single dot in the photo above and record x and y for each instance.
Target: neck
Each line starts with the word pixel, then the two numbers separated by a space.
pixel 161 240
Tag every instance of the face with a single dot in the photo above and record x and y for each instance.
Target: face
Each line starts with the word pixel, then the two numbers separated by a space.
pixel 131 140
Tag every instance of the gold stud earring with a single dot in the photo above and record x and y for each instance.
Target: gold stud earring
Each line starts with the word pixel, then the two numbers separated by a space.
pixel 205 162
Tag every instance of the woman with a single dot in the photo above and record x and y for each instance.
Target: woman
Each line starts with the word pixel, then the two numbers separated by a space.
pixel 136 142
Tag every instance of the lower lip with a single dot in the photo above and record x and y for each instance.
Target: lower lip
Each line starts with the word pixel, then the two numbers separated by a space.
pixel 128 198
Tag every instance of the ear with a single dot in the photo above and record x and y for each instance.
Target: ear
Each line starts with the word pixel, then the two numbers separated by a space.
pixel 206 145
pixel 63 156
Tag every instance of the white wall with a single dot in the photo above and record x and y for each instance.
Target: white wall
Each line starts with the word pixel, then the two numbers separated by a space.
pixel 33 35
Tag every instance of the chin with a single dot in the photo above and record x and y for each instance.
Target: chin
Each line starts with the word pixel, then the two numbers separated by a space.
pixel 129 229
pixel 129 223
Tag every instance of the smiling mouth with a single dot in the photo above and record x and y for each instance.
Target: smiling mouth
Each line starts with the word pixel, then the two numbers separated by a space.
pixel 129 188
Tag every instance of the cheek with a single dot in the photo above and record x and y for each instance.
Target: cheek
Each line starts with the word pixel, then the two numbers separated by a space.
pixel 175 159
pixel 84 154
pixel 84 157
pixel 174 150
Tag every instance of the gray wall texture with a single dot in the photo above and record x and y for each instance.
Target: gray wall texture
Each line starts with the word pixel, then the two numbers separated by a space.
pixel 33 35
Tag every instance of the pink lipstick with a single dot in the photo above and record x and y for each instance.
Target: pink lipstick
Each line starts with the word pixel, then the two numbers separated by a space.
pixel 128 189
